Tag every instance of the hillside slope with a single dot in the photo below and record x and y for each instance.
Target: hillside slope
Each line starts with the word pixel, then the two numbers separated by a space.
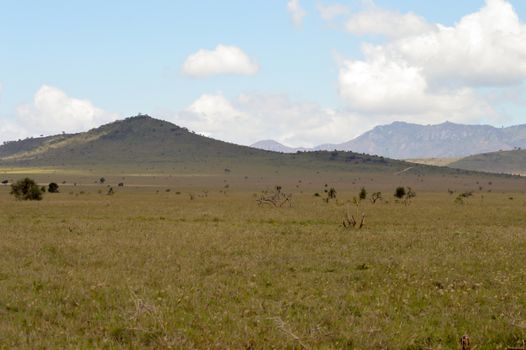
pixel 508 162
pixel 143 143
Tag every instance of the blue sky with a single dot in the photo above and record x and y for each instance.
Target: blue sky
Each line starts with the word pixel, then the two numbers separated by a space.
pixel 68 65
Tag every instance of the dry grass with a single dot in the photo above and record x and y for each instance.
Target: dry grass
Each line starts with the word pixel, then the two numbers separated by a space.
pixel 148 269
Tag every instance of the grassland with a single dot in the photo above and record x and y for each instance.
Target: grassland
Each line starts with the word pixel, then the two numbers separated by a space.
pixel 434 161
pixel 150 267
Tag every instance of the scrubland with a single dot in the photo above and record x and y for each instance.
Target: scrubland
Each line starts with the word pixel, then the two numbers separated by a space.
pixel 197 264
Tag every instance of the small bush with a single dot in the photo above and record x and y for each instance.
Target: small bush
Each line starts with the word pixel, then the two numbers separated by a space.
pixel 363 194
pixel 400 192
pixel 26 189
pixel 52 188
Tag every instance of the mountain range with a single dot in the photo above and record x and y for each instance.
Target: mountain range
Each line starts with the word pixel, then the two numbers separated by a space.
pixel 401 140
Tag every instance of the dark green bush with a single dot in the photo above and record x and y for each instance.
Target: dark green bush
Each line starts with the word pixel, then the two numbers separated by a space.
pixel 26 189
pixel 400 192
pixel 52 188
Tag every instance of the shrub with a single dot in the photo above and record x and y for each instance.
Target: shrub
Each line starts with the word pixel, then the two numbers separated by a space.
pixel 363 194
pixel 26 189
pixel 52 188
pixel 376 197
pixel 400 192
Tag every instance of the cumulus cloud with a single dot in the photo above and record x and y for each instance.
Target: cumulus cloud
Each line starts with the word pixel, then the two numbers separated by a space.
pixel 391 24
pixel 436 71
pixel 331 11
pixel 296 11
pixel 52 112
pixel 251 117
pixel 223 60
pixel 485 48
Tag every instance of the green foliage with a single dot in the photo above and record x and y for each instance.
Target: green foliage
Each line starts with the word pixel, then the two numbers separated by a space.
pixel 405 194
pixel 26 189
pixel 52 188
pixel 400 192
pixel 363 194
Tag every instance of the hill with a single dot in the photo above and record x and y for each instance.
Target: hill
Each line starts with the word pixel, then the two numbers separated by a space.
pixel 145 144
pixel 509 162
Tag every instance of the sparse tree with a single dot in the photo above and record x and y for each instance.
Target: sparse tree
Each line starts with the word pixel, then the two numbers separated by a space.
pixel 26 189
pixel 102 180
pixel 376 197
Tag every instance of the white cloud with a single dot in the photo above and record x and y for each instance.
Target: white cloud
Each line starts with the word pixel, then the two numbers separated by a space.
pixel 391 24
pixel 223 60
pixel 52 112
pixel 296 11
pixel 434 75
pixel 251 117
pixel 485 48
pixel 330 12
pixel 10 131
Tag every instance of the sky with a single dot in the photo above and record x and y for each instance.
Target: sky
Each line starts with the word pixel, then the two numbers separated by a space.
pixel 302 72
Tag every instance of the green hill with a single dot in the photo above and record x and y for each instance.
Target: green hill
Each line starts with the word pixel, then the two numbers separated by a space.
pixel 143 143
pixel 507 162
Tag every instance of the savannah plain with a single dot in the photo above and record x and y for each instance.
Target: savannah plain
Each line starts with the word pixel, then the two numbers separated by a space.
pixel 183 261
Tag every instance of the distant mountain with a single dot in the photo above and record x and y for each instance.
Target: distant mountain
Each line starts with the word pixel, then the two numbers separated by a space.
pixel 508 162
pixel 274 146
pixel 401 140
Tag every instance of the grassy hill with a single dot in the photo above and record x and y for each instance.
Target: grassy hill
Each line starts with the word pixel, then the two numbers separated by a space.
pixel 144 143
pixel 509 162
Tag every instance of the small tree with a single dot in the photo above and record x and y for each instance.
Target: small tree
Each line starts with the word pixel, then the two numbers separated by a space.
pixel 52 188
pixel 400 192
pixel 26 189
pixel 102 180
pixel 376 196
pixel 363 194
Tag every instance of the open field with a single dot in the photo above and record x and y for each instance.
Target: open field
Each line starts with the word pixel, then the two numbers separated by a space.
pixel 147 268
pixel 434 161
